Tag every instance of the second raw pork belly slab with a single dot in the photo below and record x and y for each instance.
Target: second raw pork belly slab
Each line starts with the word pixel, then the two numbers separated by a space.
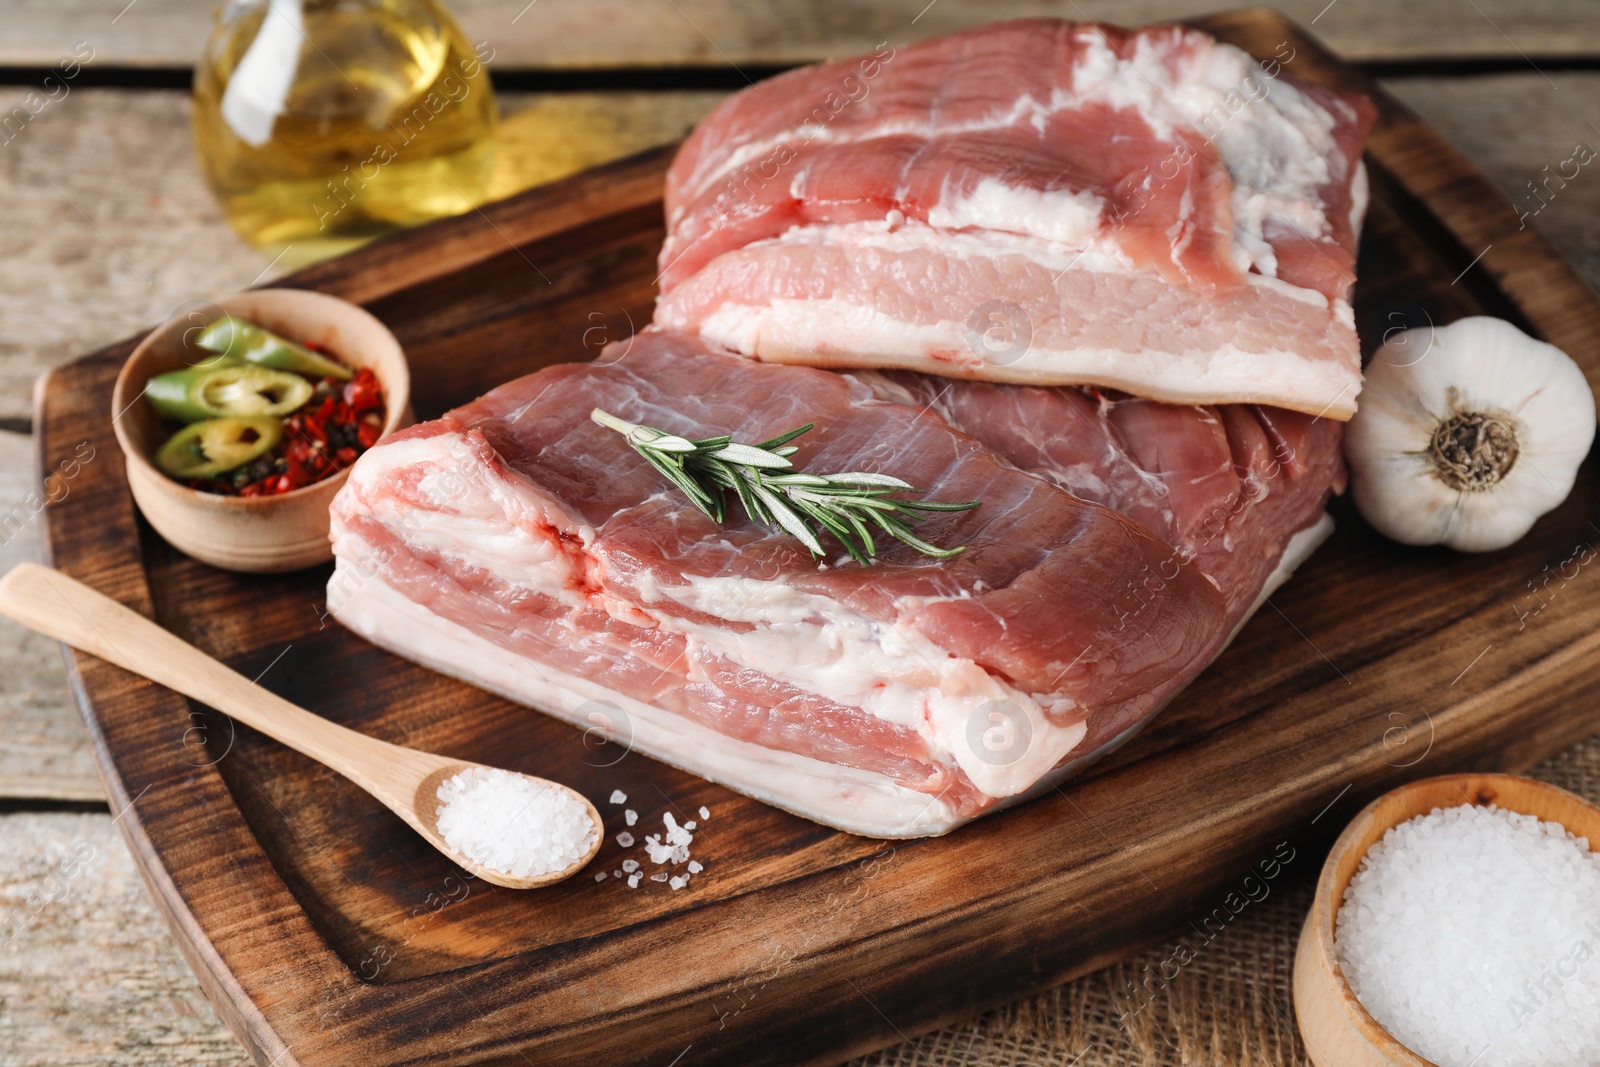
pixel 518 545
pixel 1036 201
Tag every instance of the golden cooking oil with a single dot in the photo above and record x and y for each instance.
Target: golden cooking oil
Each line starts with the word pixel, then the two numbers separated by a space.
pixel 321 124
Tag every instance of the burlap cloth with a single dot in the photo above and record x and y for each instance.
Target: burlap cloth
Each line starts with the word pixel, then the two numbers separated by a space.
pixel 1231 1007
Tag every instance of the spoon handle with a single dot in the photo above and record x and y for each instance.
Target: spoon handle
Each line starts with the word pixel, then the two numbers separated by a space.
pixel 64 608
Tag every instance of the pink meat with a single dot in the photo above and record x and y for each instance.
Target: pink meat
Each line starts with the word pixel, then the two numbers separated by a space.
pixel 903 130
pixel 648 663
pixel 919 288
pixel 879 213
pixel 1225 486
pixel 1155 212
pixel 622 546
pixel 1028 533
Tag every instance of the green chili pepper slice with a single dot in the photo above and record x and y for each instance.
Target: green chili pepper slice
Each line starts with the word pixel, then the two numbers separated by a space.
pixel 238 339
pixel 215 446
pixel 223 387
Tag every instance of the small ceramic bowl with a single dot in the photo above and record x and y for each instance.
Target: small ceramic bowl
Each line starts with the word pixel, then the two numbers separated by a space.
pixel 257 534
pixel 1338 1030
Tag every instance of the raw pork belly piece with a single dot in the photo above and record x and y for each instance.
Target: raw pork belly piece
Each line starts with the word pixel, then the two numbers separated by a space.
pixel 1227 486
pixel 517 545
pixel 1035 201
pixel 1238 491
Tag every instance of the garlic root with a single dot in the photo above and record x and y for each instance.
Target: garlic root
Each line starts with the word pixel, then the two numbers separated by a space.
pixel 1466 434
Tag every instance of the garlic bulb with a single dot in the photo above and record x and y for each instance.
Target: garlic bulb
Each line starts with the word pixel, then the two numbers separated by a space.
pixel 1466 434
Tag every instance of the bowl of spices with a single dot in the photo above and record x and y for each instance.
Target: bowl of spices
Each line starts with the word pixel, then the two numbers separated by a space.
pixel 239 424
pixel 1457 922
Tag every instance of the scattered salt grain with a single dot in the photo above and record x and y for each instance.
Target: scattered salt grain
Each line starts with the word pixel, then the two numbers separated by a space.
pixel 675 849
pixel 618 797
pixel 1470 934
pixel 600 877
pixel 513 824
pixel 670 847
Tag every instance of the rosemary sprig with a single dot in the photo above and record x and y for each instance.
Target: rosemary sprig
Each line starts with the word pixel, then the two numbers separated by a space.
pixel 772 492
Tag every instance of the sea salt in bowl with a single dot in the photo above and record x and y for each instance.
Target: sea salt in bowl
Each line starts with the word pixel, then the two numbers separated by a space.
pixel 1338 1029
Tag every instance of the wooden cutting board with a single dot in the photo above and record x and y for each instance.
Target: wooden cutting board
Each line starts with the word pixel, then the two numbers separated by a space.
pixel 327 933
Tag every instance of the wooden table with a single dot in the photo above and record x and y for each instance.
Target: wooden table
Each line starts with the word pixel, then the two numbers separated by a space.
pixel 107 226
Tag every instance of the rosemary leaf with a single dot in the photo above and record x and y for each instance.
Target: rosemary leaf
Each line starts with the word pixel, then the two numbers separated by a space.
pixel 783 439
pixel 772 492
pixel 751 456
pixel 864 478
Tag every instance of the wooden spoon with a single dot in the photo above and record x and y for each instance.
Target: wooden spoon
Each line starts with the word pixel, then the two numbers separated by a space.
pixel 404 780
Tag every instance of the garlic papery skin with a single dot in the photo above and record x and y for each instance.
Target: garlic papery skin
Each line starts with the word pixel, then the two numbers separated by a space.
pixel 1466 434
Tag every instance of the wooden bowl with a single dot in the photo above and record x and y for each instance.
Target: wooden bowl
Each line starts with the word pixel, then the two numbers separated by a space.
pixel 256 534
pixel 1338 1030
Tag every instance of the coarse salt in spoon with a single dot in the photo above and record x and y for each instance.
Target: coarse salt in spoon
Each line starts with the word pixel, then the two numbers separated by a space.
pixel 510 829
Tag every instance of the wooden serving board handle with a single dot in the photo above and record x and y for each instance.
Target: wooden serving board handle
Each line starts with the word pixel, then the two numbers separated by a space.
pixel 64 608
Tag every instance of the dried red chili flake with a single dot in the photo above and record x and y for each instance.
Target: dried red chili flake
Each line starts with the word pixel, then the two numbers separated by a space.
pixel 320 439
pixel 362 392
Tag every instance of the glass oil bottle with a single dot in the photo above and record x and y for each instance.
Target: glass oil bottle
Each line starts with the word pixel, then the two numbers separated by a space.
pixel 321 124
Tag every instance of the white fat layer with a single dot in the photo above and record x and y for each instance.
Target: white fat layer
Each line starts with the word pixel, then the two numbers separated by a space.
pixel 1279 171
pixel 756 152
pixel 1359 194
pixel 479 517
pixel 476 514
pixel 856 801
pixel 1061 215
pixel 808 332
pixel 889 671
pixel 1295 552
pixel 845 798
pixel 1099 254
pixel 809 641
pixel 1276 143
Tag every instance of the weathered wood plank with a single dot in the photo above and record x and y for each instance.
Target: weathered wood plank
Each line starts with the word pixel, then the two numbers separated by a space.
pixel 1505 123
pixel 122 994
pixel 88 973
pixel 125 160
pixel 276 913
pixel 1525 133
pixel 110 227
pixel 579 34
pixel 44 753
